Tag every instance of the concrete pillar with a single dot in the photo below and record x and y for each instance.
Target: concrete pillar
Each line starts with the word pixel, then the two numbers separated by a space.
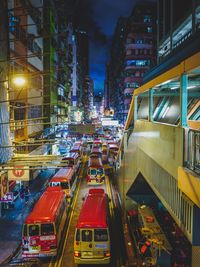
pixel 183 99
pixel 151 104
pixel 135 108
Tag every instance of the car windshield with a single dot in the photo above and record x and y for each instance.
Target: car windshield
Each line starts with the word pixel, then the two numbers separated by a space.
pixel 87 235
pixel 47 229
pixel 34 230
pixel 93 171
pixel 100 235
pixel 100 171
pixel 65 185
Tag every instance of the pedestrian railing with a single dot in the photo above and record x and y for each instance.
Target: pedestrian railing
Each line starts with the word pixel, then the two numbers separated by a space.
pixel 193 151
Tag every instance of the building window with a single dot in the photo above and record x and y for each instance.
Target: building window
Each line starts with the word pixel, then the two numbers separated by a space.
pixel 129 52
pixel 139 63
pixel 61 91
pixel 148 41
pixel 137 74
pixel 34 47
pixel 141 51
pixel 149 29
pixel 147 19
pixel 14 22
pixel 139 41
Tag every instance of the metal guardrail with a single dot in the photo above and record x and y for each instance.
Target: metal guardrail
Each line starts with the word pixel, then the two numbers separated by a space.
pixel 193 153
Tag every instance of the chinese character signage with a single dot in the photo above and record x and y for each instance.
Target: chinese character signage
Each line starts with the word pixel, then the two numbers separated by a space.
pixel 8 197
pixel 3 184
pixel 19 173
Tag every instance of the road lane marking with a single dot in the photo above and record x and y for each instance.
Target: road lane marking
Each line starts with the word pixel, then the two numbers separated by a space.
pixel 59 261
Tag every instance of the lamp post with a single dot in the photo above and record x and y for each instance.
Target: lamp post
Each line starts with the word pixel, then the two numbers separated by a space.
pixel 19 83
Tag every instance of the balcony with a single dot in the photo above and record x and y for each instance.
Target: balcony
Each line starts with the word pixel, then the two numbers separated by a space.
pixel 20 34
pixel 34 47
pixel 33 12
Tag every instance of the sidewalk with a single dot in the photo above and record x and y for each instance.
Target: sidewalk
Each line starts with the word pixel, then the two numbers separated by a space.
pixel 12 219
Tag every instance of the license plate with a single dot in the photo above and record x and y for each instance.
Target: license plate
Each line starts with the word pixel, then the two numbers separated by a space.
pixel 87 254
pixel 34 247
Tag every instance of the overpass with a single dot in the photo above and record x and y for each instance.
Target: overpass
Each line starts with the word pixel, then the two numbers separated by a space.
pixel 160 151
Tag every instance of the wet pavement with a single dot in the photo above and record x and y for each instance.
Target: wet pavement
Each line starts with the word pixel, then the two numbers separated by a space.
pixel 12 219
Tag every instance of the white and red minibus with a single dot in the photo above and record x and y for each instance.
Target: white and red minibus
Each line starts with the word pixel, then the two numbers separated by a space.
pixel 72 159
pixel 77 148
pixel 92 238
pixel 66 178
pixel 96 151
pixel 43 227
pixel 95 172
pixel 113 149
pixel 97 143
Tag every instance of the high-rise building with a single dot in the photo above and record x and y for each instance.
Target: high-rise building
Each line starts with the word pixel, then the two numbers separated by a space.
pixel 78 41
pixel 115 70
pixel 140 48
pixel 26 62
pixel 88 94
pixel 57 71
pixel 132 54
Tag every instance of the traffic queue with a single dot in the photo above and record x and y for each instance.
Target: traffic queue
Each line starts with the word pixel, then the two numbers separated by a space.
pixel 43 228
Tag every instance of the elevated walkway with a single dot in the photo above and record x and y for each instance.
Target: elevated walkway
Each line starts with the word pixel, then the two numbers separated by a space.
pixel 162 145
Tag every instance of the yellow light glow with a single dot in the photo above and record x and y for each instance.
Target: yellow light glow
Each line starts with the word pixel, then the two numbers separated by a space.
pixel 19 81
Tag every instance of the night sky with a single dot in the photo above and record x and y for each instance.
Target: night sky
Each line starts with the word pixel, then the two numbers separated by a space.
pixel 99 17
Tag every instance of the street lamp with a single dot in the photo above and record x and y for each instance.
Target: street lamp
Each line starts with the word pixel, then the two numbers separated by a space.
pixel 19 81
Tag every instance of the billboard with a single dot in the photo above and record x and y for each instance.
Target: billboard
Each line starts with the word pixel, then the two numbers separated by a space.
pixel 19 173
pixel 81 128
pixel 110 123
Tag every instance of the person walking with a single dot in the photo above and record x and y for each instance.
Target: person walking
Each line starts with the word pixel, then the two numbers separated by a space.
pixel 26 194
pixel 21 193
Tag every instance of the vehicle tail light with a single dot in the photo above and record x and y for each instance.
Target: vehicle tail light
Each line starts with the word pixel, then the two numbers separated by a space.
pixel 88 179
pixel 77 253
pixel 107 253
pixel 77 243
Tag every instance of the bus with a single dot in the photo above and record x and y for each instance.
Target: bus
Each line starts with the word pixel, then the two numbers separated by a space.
pixel 113 149
pixel 95 172
pixel 72 160
pixel 66 178
pixel 96 151
pixel 105 146
pixel 43 227
pixel 89 143
pixel 77 148
pixel 97 143
pixel 92 238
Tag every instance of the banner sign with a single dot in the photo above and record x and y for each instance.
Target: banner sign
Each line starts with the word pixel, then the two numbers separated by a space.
pixel 3 184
